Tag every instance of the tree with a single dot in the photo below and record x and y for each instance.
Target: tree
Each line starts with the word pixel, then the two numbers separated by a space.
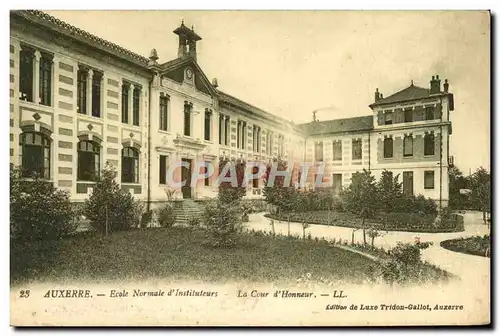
pixel 231 192
pixel 480 184
pixel 361 197
pixel 390 190
pixel 109 208
pixel 223 221
pixel 457 182
pixel 276 194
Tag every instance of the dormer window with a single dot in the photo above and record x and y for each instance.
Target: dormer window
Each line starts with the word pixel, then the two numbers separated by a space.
pixel 388 118
pixel 408 115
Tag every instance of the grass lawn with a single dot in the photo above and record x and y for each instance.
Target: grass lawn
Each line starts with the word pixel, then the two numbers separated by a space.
pixel 480 246
pixel 180 253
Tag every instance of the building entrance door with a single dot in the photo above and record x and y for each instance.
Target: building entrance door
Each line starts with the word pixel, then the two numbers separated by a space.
pixel 186 176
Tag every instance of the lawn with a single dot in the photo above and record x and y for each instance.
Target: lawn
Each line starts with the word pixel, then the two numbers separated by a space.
pixel 480 246
pixel 181 253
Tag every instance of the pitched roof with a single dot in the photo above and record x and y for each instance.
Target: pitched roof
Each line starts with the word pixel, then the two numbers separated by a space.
pixel 231 100
pixel 364 123
pixel 412 92
pixel 53 23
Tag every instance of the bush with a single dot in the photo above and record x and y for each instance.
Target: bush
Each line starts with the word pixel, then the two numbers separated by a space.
pixel 38 210
pixel 146 218
pixel 194 221
pixel 223 222
pixel 166 215
pixel 109 208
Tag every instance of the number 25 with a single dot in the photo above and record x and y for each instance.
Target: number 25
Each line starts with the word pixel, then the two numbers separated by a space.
pixel 24 294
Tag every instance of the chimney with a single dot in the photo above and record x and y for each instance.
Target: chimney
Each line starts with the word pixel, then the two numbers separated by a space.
pixel 434 87
pixel 438 84
pixel 215 83
pixel 446 86
pixel 377 95
pixel 381 96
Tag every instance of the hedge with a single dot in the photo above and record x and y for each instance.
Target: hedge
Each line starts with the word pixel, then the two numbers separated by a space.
pixel 386 222
pixel 480 246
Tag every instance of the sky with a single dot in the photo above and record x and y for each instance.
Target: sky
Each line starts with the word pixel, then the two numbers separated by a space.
pixel 291 63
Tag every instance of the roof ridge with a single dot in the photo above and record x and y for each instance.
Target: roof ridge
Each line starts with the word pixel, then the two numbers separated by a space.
pixel 339 119
pixel 73 29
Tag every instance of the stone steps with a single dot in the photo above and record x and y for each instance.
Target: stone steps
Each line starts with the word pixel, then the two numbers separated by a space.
pixel 187 209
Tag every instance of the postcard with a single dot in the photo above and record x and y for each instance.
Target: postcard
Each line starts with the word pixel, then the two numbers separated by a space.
pixel 250 168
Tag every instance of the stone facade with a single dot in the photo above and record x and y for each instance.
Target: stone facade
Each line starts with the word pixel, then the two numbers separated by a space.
pixel 97 102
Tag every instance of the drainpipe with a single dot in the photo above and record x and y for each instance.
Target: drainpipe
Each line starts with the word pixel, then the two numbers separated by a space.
pixel 441 156
pixel 369 151
pixel 148 203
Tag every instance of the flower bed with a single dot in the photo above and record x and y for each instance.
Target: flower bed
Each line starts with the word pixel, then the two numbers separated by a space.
pixel 386 222
pixel 480 246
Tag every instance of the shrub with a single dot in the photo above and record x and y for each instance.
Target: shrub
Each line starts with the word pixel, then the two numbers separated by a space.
pixel 146 218
pixel 194 221
pixel 109 208
pixel 408 254
pixel 223 222
pixel 38 210
pixel 166 215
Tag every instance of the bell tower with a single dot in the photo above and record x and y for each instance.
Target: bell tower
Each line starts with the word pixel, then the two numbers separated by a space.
pixel 187 41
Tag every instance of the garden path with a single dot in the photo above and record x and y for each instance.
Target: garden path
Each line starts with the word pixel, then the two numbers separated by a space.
pixel 473 269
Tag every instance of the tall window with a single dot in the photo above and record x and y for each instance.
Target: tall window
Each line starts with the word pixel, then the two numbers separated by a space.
pixel 408 183
pixel 429 113
pixel 227 131
pixel 221 129
pixel 89 160
pixel 337 150
pixel 240 135
pixel 125 89
pixel 429 179
pixel 35 154
pixel 356 149
pixel 130 165
pixel 429 144
pixel 388 147
pixel 337 184
pixel 136 105
pixel 164 113
pixel 243 134
pixel 187 119
pixel 82 91
pixel 207 177
pixel 281 145
pixel 408 146
pixel 163 169
pixel 408 115
pixel 26 74
pixel 45 79
pixel 269 143
pixel 256 138
pixel 96 94
pixel 318 151
pixel 255 180
pixel 388 118
pixel 208 124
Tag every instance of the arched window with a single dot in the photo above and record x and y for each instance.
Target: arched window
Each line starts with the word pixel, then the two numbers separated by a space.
pixel 35 154
pixel 130 165
pixel 89 160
